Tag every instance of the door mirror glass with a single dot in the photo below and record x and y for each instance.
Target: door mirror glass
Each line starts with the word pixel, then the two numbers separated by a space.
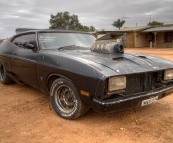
pixel 30 46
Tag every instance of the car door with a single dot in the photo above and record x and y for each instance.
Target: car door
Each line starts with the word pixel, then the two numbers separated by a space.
pixel 23 62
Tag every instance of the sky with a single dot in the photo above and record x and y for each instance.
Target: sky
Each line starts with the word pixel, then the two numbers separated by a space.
pixel 98 13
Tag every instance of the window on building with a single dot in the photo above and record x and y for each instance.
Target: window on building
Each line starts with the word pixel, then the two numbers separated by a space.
pixel 168 36
pixel 149 37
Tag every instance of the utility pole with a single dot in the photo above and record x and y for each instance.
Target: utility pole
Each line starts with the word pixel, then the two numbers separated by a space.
pixel 124 17
pixel 150 17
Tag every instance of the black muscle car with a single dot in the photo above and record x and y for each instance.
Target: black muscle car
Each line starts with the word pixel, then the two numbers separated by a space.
pixel 80 72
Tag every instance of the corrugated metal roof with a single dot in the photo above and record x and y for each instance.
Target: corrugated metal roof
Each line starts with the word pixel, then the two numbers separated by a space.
pixel 128 29
pixel 156 29
pixel 135 28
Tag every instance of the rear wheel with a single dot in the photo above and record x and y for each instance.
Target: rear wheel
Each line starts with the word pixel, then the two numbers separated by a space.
pixel 4 79
pixel 65 100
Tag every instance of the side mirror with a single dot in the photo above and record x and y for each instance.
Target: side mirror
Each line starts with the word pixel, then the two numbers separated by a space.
pixel 30 46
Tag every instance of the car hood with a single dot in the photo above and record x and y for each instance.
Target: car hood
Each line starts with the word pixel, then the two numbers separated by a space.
pixel 125 63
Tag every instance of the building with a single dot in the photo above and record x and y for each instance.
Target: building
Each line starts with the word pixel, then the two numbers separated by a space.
pixel 147 36
pixel 134 37
pixel 160 36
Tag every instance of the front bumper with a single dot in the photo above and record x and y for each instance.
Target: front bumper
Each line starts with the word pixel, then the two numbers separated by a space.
pixel 135 100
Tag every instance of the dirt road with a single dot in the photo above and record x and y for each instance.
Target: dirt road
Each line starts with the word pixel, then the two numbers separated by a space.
pixel 26 116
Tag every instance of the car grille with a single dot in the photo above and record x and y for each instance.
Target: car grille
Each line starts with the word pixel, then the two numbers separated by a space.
pixel 142 82
pixel 133 84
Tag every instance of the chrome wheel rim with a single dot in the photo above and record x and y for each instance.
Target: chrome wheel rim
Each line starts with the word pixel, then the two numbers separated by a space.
pixel 1 71
pixel 65 99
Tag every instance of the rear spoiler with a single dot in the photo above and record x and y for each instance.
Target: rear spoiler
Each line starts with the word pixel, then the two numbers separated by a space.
pixel 20 30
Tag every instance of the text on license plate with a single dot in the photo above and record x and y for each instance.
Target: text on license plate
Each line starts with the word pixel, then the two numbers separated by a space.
pixel 149 101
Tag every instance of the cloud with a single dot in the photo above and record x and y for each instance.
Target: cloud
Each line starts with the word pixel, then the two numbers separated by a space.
pixel 99 13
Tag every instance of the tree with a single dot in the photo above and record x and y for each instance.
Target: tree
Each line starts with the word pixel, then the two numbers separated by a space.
pixel 86 29
pixel 92 28
pixel 119 23
pixel 63 20
pixel 155 23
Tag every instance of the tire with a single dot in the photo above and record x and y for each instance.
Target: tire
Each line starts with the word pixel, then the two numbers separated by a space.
pixel 65 100
pixel 4 79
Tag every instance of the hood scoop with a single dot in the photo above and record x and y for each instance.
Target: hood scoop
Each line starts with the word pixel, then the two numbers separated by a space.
pixel 118 59
pixel 108 44
pixel 143 57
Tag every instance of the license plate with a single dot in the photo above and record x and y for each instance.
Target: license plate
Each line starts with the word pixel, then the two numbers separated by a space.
pixel 149 101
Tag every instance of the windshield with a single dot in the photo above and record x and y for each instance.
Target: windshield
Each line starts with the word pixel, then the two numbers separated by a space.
pixel 57 40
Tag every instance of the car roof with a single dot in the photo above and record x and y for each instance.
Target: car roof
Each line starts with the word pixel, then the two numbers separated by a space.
pixel 27 30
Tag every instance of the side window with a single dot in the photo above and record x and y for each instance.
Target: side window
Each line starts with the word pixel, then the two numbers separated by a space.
pixel 29 38
pixel 17 41
pixel 168 37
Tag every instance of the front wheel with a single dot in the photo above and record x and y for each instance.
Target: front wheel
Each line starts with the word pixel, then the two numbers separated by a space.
pixel 65 99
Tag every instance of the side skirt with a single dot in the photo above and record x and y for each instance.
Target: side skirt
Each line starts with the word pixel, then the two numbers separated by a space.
pixel 14 79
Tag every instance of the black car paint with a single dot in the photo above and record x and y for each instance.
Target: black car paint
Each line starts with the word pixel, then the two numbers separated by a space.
pixel 134 100
pixel 87 70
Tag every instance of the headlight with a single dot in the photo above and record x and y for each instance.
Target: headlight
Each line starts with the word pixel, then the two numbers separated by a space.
pixel 168 75
pixel 117 83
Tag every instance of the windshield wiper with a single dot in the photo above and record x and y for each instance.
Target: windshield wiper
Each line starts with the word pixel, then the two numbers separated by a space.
pixel 69 46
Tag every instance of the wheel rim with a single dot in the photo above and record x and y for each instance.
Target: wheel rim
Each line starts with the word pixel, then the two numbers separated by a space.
pixel 65 99
pixel 1 71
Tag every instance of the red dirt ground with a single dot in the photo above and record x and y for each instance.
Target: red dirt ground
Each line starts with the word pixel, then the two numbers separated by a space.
pixel 26 116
